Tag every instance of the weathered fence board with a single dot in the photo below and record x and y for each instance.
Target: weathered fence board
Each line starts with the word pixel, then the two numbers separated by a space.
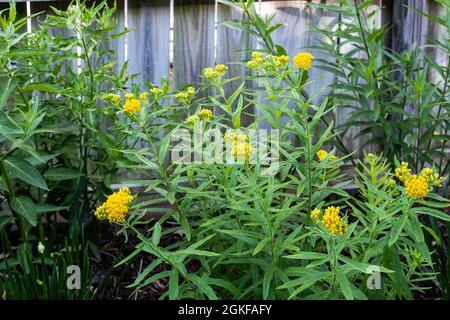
pixel 233 49
pixel 193 47
pixel 148 40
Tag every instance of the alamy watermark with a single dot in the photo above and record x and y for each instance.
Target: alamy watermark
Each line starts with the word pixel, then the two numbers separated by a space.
pixel 374 280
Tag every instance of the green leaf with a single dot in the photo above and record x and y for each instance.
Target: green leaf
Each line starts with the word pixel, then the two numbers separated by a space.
pixel 4 220
pixel 173 285
pixel 306 256
pixel 432 212
pixel 156 236
pixel 260 246
pixel 43 87
pixel 5 90
pixel 24 171
pixel 344 284
pixel 196 252
pixel 60 174
pixel 397 229
pixel 47 207
pixel 24 206
pixel 203 286
pixel 268 275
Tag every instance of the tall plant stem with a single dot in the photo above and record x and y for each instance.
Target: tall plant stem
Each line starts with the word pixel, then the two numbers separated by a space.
pixel 271 48
pixel 266 213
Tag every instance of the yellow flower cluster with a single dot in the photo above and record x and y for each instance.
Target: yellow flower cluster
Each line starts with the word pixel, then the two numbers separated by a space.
pixel 403 173
pixel 131 106
pixel 331 220
pixel 417 187
pixel 303 60
pixel 206 115
pixel 144 96
pixel 116 207
pixel 185 96
pixel 241 148
pixel 279 61
pixel 156 92
pixel 256 62
pixel 315 214
pixel 191 120
pixel 432 177
pixel 322 154
pixel 112 98
pixel 211 74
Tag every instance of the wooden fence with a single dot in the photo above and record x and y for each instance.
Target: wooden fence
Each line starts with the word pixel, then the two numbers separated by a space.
pixel 178 38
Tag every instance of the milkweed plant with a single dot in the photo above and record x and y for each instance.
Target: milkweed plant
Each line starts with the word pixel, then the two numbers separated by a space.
pixel 270 209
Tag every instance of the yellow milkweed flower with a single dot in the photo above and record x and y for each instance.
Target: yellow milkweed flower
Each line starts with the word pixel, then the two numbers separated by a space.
pixel 417 187
pixel 191 120
pixel 144 96
pixel 191 91
pixel 132 106
pixel 156 92
pixel 129 96
pixel 315 214
pixel 222 69
pixel 206 115
pixel 210 74
pixel 111 97
pixel 257 55
pixel 403 172
pixel 242 150
pixel 303 60
pixel 182 96
pixel 280 61
pixel 229 136
pixel 116 206
pixel 432 177
pixel 322 154
pixel 257 61
pixel 333 222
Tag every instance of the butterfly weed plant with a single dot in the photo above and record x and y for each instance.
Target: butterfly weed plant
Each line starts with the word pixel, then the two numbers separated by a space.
pixel 258 213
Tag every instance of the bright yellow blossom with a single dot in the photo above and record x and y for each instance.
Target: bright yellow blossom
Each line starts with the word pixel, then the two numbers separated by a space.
pixel 315 214
pixel 333 222
pixel 257 55
pixel 132 106
pixel 417 187
pixel 116 207
pixel 322 154
pixel 222 69
pixel 242 150
pixel 191 120
pixel 432 177
pixel 206 115
pixel 129 96
pixel 111 97
pixel 403 172
pixel 144 96
pixel 156 92
pixel 303 60
pixel 182 96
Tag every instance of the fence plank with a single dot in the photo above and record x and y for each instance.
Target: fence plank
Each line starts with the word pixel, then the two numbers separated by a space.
pixel 193 45
pixel 233 49
pixel 148 41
